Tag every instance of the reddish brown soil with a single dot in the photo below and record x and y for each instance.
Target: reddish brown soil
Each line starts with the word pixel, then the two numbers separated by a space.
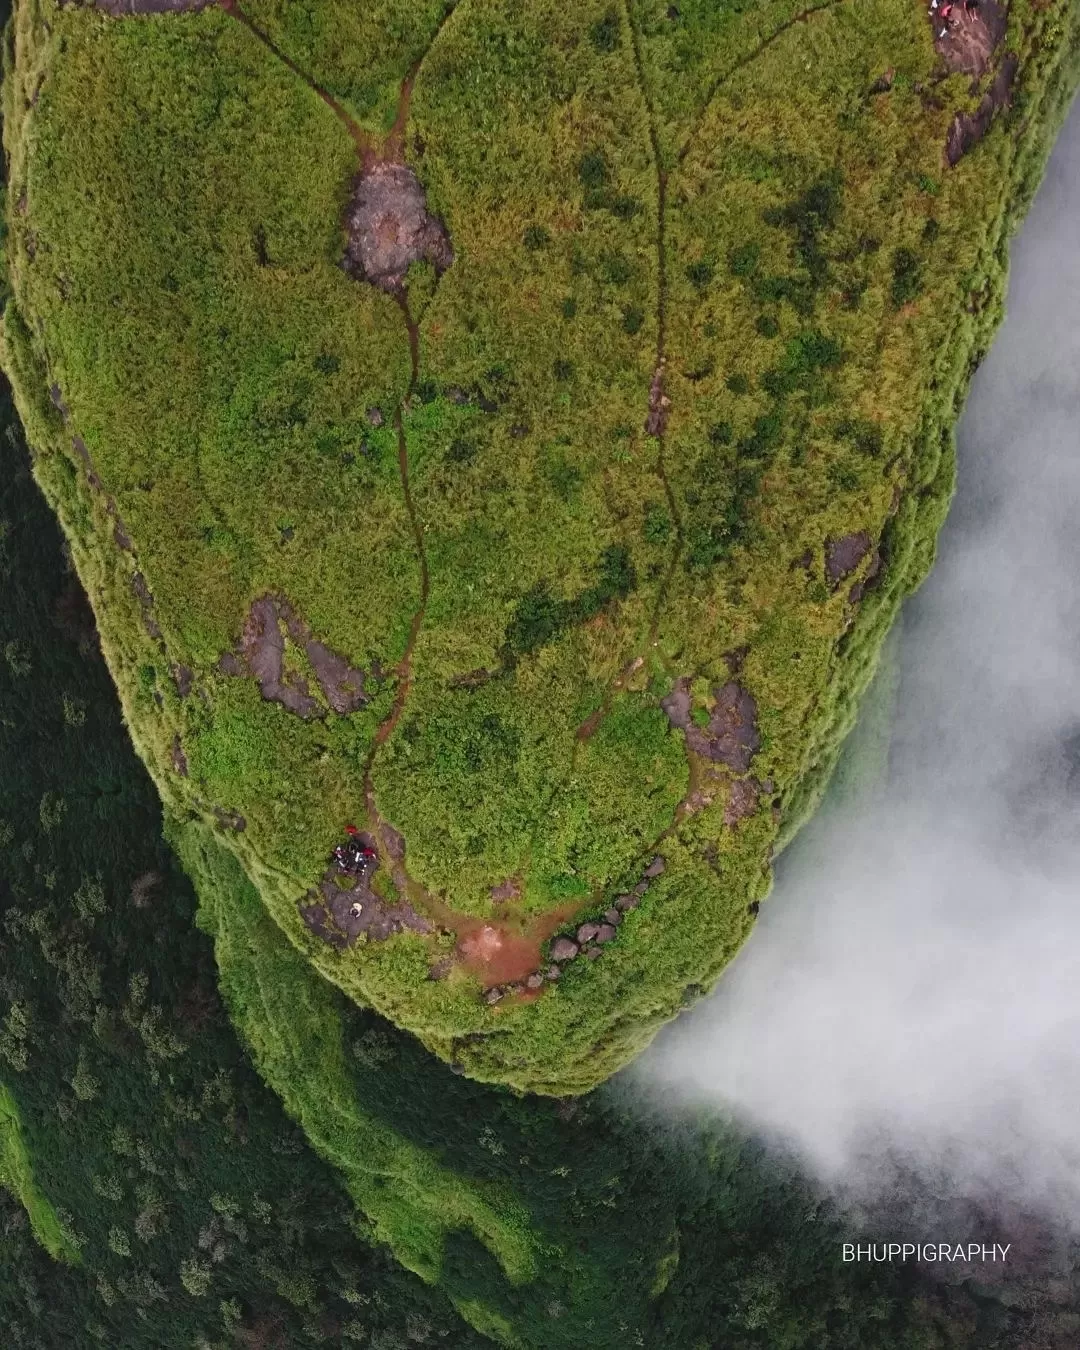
pixel 504 951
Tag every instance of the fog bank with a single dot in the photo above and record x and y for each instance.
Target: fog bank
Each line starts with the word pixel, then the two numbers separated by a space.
pixel 912 990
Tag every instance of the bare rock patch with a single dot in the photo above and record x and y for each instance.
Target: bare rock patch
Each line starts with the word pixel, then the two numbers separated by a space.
pixel 345 905
pixel 389 227
pixel 262 646
pixel 966 35
pixel 731 735
pixel 843 555
pixel 967 129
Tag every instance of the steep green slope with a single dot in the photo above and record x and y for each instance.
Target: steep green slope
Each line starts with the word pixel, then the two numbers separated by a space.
pixel 202 1220
pixel 551 558
pixel 148 1154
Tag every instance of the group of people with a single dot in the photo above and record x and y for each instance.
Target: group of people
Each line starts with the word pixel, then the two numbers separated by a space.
pixel 944 10
pixel 354 856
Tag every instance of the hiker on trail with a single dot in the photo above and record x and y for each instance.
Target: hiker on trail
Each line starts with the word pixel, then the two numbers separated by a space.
pixel 971 8
pixel 946 11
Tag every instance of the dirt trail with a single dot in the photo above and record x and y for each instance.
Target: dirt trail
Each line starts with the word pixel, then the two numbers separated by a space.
pixel 804 16
pixel 366 144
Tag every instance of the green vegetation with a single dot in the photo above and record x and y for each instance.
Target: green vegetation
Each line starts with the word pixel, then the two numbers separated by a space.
pixel 201 1217
pixel 17 1176
pixel 147 1153
pixel 215 407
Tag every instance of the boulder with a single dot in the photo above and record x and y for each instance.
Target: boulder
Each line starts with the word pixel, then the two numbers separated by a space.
pixel 492 996
pixel 564 949
pixel 655 867
pixel 587 932
pixel 534 981
pixel 606 932
pixel 613 916
pixel 627 902
pixel 553 972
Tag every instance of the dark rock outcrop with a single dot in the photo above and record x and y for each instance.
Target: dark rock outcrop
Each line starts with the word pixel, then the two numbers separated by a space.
pixel 967 129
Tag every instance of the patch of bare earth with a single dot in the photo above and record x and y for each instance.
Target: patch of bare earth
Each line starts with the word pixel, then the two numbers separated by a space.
pixel 345 905
pixel 262 646
pixel 119 9
pixel 728 741
pixel 389 227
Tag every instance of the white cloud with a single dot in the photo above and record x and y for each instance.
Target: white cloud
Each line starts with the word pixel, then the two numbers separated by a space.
pixel 913 988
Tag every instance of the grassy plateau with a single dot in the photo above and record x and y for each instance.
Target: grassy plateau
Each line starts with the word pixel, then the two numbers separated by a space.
pixel 554 557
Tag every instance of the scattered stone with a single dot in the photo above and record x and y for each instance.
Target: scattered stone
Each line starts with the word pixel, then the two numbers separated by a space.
pixel 389 227
pixel 121 537
pixel 534 981
pixel 655 868
pixel 563 949
pixel 456 394
pixel 146 604
pixel 613 916
pixel 375 417
pixel 677 704
pixel 587 932
pixel 624 903
pixel 884 83
pixel 56 398
pixel 553 972
pixel 873 575
pixel 493 996
pixel 607 932
pixel 843 555
pixel 640 889
pixel 592 953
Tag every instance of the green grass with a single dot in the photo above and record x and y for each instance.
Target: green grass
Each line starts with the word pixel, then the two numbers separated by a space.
pixel 720 187
pixel 17 1175
pixel 201 1215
